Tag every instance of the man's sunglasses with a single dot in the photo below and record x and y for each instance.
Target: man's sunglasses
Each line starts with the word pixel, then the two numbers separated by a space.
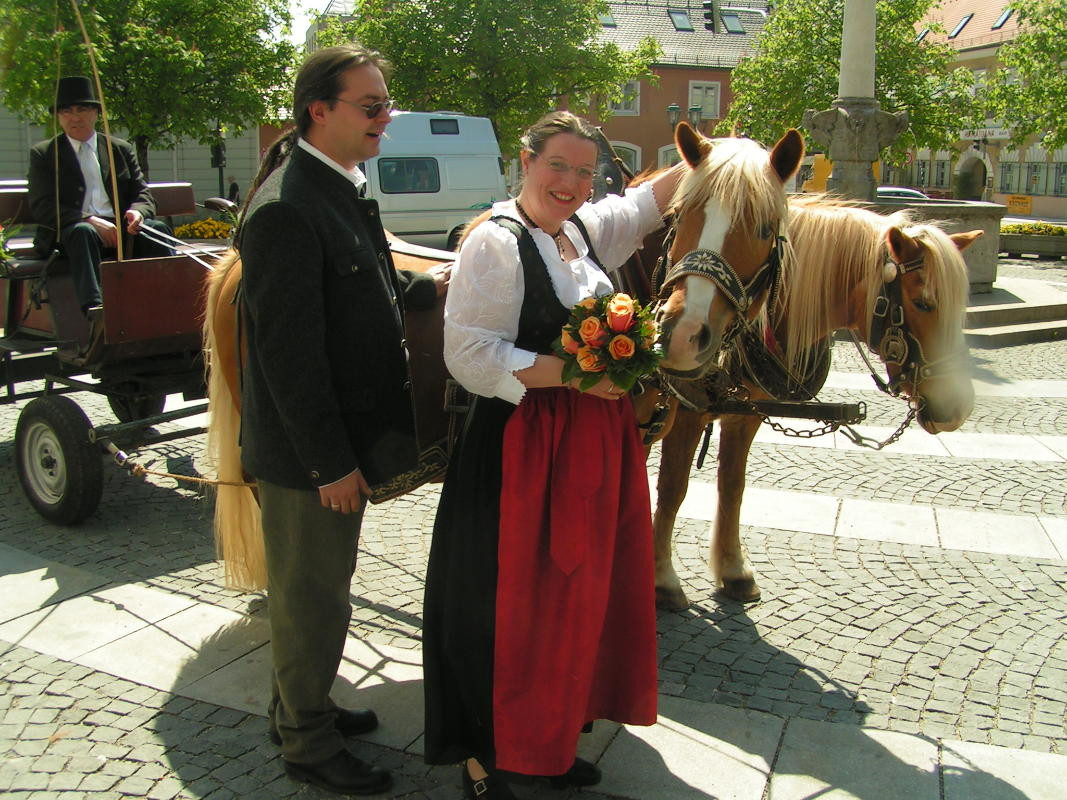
pixel 374 109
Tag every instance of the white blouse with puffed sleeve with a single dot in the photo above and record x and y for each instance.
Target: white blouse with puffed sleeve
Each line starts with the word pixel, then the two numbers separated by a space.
pixel 486 290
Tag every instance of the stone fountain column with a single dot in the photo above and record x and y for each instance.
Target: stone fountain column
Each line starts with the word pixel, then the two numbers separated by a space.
pixel 854 130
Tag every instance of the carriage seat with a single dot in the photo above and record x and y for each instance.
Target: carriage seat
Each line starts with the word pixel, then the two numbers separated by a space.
pixel 172 199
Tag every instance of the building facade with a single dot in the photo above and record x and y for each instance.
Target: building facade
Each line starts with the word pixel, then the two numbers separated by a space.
pixel 1030 180
pixel 693 72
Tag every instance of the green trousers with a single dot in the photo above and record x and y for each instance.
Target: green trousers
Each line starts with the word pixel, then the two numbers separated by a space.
pixel 311 556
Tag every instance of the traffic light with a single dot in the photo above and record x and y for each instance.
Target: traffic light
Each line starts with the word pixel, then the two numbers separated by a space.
pixel 218 154
pixel 709 16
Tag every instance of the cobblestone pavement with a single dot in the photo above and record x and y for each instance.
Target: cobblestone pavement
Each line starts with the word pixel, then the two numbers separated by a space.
pixel 914 639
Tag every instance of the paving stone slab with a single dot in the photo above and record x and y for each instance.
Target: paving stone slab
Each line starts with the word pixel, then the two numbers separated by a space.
pixel 983 772
pixel 695 750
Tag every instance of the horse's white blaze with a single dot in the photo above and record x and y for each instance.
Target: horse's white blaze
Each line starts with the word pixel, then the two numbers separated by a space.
pixel 688 338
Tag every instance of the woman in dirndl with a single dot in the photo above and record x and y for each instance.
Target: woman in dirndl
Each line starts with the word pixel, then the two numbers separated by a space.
pixel 539 614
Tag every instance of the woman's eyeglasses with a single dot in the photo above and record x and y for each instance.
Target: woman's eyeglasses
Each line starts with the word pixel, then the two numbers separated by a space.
pixel 562 167
pixel 374 109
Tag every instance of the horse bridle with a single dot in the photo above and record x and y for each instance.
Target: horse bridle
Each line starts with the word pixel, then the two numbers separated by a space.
pixel 891 338
pixel 712 266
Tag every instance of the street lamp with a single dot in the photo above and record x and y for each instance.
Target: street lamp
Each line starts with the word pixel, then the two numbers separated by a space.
pixel 674 113
pixel 696 115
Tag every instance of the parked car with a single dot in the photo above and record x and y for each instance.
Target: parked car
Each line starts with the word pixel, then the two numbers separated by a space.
pixel 899 193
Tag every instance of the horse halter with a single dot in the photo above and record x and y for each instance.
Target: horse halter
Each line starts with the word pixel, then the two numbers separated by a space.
pixel 712 266
pixel 890 336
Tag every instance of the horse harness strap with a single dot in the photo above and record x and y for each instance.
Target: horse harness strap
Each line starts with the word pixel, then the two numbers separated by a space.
pixel 889 334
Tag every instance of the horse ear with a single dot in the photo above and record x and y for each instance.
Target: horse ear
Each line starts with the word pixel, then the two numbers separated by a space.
pixel 964 240
pixel 903 247
pixel 691 144
pixel 787 154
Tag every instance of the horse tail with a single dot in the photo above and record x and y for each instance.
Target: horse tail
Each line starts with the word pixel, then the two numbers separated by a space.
pixel 238 532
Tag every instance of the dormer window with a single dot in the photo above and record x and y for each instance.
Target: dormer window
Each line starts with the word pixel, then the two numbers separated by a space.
pixel 959 27
pixel 732 22
pixel 1004 16
pixel 681 20
pixel 922 35
pixel 607 19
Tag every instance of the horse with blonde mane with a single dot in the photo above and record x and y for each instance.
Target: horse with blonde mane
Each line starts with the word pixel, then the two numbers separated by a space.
pixel 899 286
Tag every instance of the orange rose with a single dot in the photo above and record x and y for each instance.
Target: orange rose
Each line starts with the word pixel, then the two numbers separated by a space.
pixel 589 361
pixel 570 344
pixel 621 347
pixel 588 303
pixel 592 332
pixel 620 312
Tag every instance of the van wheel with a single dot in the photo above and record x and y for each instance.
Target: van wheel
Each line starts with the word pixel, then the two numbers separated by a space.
pixel 454 237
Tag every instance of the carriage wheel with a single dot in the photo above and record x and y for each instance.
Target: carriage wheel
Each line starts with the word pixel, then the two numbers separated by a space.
pixel 59 468
pixel 128 408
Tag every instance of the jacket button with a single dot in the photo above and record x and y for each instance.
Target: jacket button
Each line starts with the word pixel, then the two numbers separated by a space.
pixel 355 267
pixel 407 386
pixel 371 212
pixel 394 299
pixel 403 342
pixel 381 258
pixel 314 475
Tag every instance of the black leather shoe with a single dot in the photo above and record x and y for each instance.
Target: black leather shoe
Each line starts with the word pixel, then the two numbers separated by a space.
pixel 342 773
pixel 348 723
pixel 581 773
pixel 491 787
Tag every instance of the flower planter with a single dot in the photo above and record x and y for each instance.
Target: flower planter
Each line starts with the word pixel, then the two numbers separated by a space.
pixel 1015 244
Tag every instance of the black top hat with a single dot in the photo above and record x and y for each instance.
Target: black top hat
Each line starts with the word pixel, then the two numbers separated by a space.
pixel 75 90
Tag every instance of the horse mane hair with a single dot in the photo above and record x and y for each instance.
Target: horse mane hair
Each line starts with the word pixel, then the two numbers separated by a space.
pixel 837 244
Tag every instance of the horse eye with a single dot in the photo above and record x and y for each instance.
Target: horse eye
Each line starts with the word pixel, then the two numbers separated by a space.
pixel 766 231
pixel 923 306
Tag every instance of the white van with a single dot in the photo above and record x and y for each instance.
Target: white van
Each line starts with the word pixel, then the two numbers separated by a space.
pixel 435 172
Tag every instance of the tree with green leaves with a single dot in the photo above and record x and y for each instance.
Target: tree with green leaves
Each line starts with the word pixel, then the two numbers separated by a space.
pixel 1029 93
pixel 170 69
pixel 797 64
pixel 509 61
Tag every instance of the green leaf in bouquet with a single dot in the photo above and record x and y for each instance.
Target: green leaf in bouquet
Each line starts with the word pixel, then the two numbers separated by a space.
pixel 590 380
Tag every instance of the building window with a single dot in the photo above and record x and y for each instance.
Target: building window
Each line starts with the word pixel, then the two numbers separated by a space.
pixel 1009 178
pixel 1060 187
pixel 630 104
pixel 607 19
pixel 1005 15
pixel 1036 174
pixel 407 175
pixel 668 156
pixel 960 26
pixel 732 22
pixel 922 35
pixel 705 95
pixel 941 174
pixel 630 155
pixel 681 20
pixel 922 169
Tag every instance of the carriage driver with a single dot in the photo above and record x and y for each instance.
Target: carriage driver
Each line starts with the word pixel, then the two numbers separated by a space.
pixel 87 219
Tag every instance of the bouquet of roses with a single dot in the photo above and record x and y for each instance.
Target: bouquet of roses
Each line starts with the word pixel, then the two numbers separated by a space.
pixel 609 335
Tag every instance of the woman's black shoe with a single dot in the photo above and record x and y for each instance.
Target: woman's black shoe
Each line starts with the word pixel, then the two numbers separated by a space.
pixel 581 773
pixel 491 787
pixel 342 773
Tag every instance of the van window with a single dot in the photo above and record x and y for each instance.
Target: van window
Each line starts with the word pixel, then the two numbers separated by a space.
pixel 408 175
pixel 446 126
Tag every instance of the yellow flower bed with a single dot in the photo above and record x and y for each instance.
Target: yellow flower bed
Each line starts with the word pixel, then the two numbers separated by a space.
pixel 1035 229
pixel 204 229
